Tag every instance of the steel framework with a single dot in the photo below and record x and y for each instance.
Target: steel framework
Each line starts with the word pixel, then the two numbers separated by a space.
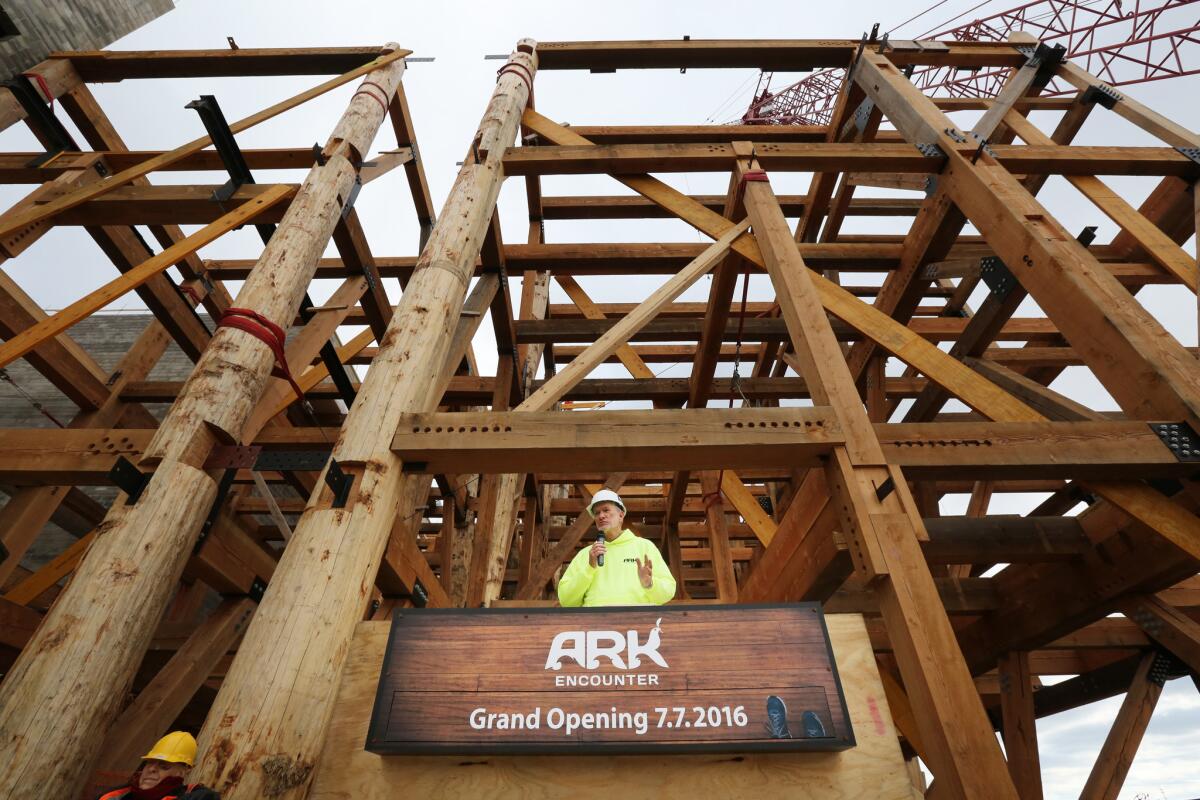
pixel 1122 45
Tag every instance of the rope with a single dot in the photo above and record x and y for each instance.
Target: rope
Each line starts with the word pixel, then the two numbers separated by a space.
pixel 4 376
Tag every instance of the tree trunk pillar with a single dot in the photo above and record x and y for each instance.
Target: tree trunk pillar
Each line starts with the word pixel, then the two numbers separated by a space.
pixel 69 682
pixel 268 724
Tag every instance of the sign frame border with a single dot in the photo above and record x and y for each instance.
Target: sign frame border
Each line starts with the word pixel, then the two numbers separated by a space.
pixel 823 745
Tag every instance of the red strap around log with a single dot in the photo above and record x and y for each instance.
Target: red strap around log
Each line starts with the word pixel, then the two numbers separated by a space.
pixel 522 72
pixel 755 175
pixel 266 332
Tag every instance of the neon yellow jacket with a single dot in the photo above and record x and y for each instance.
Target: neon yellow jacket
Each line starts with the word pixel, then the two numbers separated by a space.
pixel 616 583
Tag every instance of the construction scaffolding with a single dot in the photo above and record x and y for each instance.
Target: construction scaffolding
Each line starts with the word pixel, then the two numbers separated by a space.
pixel 309 501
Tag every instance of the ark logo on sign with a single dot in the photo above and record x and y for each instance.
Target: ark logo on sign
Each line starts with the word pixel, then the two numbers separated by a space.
pixel 586 648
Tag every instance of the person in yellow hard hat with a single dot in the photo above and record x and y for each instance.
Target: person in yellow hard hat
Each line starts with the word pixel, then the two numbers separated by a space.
pixel 633 572
pixel 162 773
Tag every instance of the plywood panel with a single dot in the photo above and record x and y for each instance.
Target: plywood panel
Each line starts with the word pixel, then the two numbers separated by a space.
pixel 874 768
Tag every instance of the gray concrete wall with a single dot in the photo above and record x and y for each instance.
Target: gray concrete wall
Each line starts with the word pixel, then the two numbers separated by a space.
pixel 47 25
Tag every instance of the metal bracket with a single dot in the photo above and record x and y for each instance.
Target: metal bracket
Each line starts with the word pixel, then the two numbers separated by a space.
pixel 257 588
pixel 885 488
pixel 764 502
pixel 984 147
pixel 339 482
pixel 232 457
pixel 930 150
pixel 863 113
pixel 128 479
pixel 931 184
pixel 1104 95
pixel 1180 439
pixel 996 274
pixel 223 487
pixel 1087 236
pixel 348 206
pixel 419 594
pixel 1046 58
pixel 1192 153
pixel 292 460
pixel 231 155
pixel 1165 667
pixel 39 117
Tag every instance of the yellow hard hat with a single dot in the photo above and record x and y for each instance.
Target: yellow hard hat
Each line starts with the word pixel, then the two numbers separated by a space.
pixel 177 747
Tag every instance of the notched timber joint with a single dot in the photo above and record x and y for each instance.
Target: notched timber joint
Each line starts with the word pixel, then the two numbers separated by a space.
pixel 129 479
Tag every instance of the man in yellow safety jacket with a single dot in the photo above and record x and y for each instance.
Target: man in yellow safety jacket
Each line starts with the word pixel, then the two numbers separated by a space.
pixel 162 773
pixel 633 572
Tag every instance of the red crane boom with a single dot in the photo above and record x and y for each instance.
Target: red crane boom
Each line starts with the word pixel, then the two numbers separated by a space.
pixel 1121 45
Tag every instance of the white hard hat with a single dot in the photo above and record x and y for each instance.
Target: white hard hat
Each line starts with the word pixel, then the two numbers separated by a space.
pixel 603 496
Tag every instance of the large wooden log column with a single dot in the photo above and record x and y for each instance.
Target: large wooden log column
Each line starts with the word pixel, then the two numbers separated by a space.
pixel 267 725
pixel 69 682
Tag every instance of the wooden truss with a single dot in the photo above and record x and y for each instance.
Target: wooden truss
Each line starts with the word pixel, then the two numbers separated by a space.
pixel 815 476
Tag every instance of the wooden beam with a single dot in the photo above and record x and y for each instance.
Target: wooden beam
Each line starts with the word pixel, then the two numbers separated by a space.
pixel 49 210
pixel 1167 625
pixel 131 571
pixel 1020 730
pixel 1116 755
pixel 408 375
pixel 30 338
pixel 161 701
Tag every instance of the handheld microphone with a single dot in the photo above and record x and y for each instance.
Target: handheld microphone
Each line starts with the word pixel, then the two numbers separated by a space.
pixel 600 558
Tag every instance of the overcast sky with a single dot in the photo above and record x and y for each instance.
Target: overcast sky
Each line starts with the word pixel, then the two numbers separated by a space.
pixel 447 98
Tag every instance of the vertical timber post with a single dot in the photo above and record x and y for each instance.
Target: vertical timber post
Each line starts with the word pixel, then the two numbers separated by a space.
pixel 69 682
pixel 267 726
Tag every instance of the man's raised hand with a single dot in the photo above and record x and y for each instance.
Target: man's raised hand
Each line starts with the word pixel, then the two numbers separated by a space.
pixel 646 572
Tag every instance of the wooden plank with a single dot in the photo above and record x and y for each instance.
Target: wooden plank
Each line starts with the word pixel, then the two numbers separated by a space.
pixel 664 438
pixel 747 506
pixel 49 210
pixel 718 536
pixel 1027 159
pixel 102 66
pixel 892 336
pixel 779 55
pixel 1116 755
pixel 160 702
pixel 130 572
pixel 1020 731
pixel 1167 625
pixel 308 642
pixel 628 325
pixel 31 337
pixel 50 573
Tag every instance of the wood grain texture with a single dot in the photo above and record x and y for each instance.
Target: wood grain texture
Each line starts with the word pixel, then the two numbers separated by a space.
pixel 874 768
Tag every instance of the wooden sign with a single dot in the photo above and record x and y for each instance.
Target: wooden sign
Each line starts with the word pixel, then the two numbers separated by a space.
pixel 629 680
